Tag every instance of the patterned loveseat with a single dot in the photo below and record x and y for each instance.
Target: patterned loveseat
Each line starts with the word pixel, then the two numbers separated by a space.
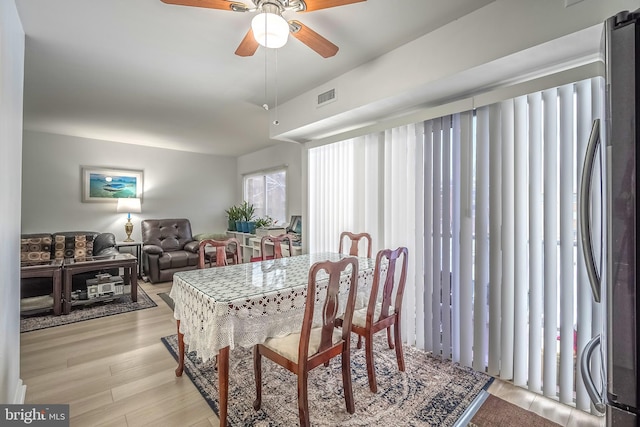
pixel 68 244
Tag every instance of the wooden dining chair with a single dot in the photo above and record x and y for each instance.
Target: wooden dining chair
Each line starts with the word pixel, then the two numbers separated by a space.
pixel 313 346
pixel 355 240
pixel 353 251
pixel 277 242
pixel 224 249
pixel 379 315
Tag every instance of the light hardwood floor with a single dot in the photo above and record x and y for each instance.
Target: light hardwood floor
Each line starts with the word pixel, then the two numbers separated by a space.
pixel 114 371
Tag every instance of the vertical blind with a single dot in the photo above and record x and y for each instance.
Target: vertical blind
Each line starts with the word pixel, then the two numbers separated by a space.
pixel 486 203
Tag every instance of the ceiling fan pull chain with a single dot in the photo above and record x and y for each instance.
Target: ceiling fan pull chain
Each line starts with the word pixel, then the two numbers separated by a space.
pixel 266 81
pixel 276 122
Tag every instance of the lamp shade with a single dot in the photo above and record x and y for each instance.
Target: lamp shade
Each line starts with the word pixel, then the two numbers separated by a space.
pixel 130 205
pixel 270 29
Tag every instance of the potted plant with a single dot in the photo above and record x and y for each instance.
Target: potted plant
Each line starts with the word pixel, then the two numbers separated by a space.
pixel 265 221
pixel 233 215
pixel 247 212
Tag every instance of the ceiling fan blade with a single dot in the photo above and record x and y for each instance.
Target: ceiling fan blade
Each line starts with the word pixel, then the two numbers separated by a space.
pixel 311 5
pixel 248 45
pixel 312 39
pixel 211 4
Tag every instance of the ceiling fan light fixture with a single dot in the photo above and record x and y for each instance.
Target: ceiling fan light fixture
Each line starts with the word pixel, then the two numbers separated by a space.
pixel 270 29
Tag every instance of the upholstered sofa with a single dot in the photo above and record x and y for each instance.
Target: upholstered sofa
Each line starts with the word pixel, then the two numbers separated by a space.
pixel 168 246
pixel 60 245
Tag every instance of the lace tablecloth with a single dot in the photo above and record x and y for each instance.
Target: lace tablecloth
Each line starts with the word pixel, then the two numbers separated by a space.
pixel 244 304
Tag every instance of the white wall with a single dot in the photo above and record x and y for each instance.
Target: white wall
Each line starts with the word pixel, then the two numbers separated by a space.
pixel 176 185
pixel 287 153
pixel 11 85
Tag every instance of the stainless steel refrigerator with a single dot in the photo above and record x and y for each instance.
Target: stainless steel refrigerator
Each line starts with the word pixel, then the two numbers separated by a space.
pixel 615 281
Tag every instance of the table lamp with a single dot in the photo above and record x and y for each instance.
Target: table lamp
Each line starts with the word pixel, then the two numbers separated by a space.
pixel 128 205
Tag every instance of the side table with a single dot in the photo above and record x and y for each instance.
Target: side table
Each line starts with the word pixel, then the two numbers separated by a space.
pixel 74 266
pixel 50 268
pixel 138 249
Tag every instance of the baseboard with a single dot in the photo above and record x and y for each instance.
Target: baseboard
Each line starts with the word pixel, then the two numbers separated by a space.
pixel 21 392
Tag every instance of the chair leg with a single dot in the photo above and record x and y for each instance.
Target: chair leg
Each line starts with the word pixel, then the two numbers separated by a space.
pixel 346 381
pixel 389 340
pixel 399 353
pixel 257 371
pixel 303 402
pixel 359 345
pixel 371 370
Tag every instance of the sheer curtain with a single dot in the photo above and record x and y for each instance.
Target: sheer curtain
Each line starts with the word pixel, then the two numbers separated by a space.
pixel 485 200
pixel 368 184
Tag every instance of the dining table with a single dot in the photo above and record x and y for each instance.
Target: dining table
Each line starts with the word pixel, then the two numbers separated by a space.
pixel 220 308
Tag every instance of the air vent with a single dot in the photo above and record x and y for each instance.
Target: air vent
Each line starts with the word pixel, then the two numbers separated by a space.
pixel 326 97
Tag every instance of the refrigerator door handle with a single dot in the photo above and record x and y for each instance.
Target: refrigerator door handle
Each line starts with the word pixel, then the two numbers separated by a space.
pixel 585 220
pixel 585 364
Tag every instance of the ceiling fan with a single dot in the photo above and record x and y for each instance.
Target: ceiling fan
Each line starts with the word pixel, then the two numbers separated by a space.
pixel 269 28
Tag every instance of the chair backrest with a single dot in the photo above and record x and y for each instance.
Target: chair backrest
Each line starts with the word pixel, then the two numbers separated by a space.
pixel 391 257
pixel 330 308
pixel 277 246
pixel 169 234
pixel 221 248
pixel 355 239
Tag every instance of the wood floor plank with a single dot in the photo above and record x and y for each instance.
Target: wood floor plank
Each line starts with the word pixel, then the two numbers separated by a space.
pixel 148 382
pixel 209 422
pixel 184 410
pixel 116 422
pixel 91 402
pixel 161 396
pixel 133 359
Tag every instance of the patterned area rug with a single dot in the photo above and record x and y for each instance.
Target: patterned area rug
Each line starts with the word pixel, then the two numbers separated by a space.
pixel 78 314
pixel 429 392
pixel 496 412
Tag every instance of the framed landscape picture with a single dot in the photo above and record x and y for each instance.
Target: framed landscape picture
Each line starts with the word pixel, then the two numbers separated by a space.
pixel 109 185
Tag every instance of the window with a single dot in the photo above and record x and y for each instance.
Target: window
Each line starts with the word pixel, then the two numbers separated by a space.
pixel 267 191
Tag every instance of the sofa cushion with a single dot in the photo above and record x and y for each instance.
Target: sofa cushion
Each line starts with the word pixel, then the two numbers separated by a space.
pixel 177 259
pixel 73 245
pixel 35 247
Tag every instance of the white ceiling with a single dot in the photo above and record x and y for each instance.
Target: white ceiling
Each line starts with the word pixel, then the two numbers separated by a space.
pixel 145 72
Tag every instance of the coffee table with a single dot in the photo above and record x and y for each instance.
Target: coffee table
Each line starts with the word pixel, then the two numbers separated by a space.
pixel 72 266
pixel 49 268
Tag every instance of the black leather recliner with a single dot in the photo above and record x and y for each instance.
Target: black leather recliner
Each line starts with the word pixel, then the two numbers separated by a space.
pixel 168 246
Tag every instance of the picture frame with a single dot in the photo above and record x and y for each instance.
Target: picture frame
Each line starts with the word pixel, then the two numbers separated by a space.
pixel 295 225
pixel 100 184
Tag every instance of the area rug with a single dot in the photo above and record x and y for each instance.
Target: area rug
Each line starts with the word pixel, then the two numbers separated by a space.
pixel 79 314
pixel 496 412
pixel 430 391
